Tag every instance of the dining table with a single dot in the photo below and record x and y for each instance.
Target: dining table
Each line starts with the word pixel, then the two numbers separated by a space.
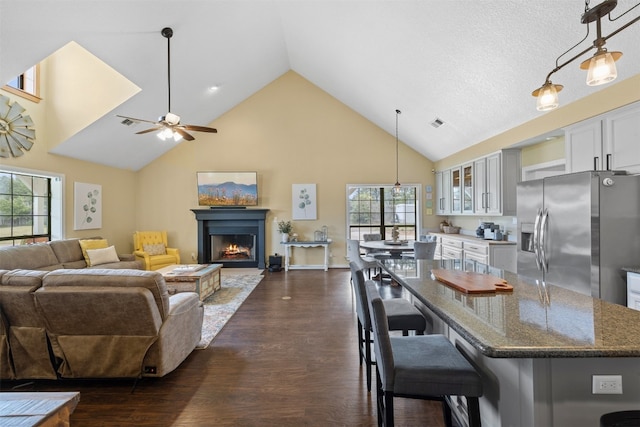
pixel 395 248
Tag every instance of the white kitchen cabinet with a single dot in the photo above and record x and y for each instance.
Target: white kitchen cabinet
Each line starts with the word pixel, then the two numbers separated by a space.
pixel 443 192
pixel 500 255
pixel 622 135
pixel 605 142
pixel 495 179
pixel 633 290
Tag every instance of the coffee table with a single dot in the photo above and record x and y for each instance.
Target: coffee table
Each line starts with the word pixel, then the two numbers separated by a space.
pixel 204 281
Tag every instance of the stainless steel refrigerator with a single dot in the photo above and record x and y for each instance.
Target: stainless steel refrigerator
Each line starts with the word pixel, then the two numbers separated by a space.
pixel 578 230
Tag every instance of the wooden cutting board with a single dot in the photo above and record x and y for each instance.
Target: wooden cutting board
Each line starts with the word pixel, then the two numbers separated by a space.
pixel 470 282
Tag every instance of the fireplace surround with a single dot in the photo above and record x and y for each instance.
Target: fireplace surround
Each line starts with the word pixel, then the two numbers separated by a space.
pixel 233 237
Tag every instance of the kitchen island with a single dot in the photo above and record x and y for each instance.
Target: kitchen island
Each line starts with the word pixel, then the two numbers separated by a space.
pixel 536 347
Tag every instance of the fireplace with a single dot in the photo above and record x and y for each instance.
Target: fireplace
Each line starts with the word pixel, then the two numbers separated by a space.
pixel 231 237
pixel 233 247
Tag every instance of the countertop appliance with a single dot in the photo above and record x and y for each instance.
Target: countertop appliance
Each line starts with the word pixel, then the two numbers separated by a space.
pixel 578 230
pixel 489 231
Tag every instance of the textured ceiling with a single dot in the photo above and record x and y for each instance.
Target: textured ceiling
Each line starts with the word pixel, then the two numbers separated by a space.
pixel 472 64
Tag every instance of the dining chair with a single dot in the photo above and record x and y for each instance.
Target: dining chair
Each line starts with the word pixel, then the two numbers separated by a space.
pixel 419 367
pixel 354 255
pixel 422 250
pixel 402 315
pixel 378 254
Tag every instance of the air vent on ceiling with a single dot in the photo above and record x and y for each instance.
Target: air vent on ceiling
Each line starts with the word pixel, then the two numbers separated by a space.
pixel 436 123
pixel 127 122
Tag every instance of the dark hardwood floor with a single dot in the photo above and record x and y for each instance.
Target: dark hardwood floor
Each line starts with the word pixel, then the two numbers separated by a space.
pixel 277 362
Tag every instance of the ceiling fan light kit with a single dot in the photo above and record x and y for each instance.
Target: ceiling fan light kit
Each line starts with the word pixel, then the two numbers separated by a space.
pixel 168 126
pixel 601 67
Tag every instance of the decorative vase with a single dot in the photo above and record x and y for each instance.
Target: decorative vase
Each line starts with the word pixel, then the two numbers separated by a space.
pixel 284 237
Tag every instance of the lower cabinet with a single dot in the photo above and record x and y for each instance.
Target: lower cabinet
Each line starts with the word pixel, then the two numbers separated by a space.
pixel 470 249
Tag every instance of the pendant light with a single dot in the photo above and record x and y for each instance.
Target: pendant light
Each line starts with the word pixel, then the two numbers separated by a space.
pixel 397 185
pixel 601 67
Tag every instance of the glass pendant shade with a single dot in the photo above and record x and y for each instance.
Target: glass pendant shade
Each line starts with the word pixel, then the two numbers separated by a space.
pixel 602 68
pixel 547 97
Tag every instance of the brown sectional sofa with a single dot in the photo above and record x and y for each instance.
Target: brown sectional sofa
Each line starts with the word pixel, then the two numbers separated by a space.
pixel 92 322
pixel 55 255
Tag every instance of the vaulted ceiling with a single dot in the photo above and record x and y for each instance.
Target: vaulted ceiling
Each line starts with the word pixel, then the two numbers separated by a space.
pixel 472 64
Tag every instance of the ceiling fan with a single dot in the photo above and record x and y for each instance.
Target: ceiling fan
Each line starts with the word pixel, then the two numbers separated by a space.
pixel 169 125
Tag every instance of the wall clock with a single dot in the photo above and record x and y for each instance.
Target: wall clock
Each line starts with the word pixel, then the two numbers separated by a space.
pixel 16 130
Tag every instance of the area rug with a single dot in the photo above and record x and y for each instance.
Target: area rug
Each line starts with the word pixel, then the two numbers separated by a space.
pixel 220 306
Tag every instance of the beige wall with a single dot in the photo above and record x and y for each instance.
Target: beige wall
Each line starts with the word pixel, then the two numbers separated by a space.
pixel 543 152
pixel 118 219
pixel 290 132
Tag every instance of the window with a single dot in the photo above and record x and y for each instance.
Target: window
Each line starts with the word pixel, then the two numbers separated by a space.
pixel 26 85
pixel 26 208
pixel 376 209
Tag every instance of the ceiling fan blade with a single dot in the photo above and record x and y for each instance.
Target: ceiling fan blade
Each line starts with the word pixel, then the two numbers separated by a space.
pixel 183 134
pixel 150 130
pixel 137 120
pixel 199 128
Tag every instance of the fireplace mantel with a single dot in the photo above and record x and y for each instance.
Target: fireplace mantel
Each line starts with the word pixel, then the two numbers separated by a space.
pixel 211 221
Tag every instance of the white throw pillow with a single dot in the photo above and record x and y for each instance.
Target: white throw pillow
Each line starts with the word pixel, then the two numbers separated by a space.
pixel 102 256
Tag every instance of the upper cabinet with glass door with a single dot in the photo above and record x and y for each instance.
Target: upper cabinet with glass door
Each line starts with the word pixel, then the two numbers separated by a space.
pixel 462 189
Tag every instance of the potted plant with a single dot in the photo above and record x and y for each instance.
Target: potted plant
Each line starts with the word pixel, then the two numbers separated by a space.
pixel 285 228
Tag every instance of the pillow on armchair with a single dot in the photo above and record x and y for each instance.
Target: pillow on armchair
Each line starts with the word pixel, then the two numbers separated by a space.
pixel 156 249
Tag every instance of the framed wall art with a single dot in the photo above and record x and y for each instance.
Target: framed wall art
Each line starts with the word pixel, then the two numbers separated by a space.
pixel 87 206
pixel 303 202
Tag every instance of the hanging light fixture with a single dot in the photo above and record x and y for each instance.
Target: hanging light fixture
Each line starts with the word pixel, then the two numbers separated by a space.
pixel 601 67
pixel 397 185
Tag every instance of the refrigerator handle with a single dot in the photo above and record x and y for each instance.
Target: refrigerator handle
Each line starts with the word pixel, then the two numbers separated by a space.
pixel 608 162
pixel 536 238
pixel 543 240
pixel 595 163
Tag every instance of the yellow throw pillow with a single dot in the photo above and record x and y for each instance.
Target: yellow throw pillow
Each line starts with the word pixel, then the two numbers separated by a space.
pixel 103 256
pixel 92 244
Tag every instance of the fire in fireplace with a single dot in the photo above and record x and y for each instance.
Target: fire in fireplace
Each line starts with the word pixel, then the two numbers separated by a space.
pixel 233 247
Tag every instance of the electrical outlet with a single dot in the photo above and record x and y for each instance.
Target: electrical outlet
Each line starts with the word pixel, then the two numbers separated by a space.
pixel 607 384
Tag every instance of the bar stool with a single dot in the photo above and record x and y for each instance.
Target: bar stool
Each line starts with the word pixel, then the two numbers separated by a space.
pixel 402 315
pixel 419 367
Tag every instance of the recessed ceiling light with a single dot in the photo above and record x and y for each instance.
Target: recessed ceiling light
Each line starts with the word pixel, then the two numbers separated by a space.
pixel 214 88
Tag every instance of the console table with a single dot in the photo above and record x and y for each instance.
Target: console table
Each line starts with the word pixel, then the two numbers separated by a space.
pixel 311 244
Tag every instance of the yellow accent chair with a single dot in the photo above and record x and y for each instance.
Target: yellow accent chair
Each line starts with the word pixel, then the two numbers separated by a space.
pixel 151 247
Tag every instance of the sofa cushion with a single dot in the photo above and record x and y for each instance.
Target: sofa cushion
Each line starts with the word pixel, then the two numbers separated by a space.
pixel 151 280
pixel 29 278
pixel 102 256
pixel 91 244
pixel 155 249
pixel 67 251
pixel 38 256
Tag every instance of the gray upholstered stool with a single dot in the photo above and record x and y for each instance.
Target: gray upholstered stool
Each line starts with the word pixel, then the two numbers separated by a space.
pixel 401 316
pixel 419 367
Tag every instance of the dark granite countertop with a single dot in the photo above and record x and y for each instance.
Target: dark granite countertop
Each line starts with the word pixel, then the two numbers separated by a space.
pixel 530 322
